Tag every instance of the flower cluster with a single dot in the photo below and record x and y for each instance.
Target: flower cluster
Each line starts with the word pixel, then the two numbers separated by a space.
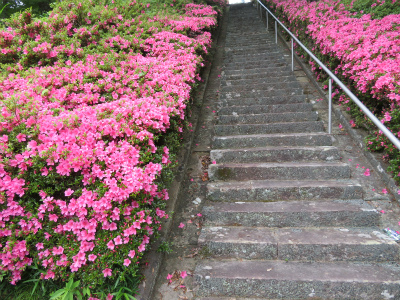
pixel 88 97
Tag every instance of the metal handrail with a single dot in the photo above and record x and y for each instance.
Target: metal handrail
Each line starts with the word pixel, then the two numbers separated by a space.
pixel 332 76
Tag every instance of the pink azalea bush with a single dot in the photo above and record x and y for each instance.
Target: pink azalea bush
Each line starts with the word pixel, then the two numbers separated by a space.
pixel 93 99
pixel 362 49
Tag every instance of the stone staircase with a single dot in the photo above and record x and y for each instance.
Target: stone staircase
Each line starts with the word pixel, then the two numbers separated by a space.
pixel 283 220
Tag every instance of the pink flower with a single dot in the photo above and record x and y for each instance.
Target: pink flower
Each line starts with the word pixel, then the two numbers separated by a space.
pixel 107 272
pixel 199 215
pixel 110 245
pixel 183 274
pixel 384 191
pixel 367 172
pixel 92 257
pixel 141 247
pixel 21 137
pixel 39 246
pixel 169 276
pixel 181 225
pixel 127 262
pixel 132 254
pixel 118 240
pixel 214 162
pixel 340 126
pixel 68 192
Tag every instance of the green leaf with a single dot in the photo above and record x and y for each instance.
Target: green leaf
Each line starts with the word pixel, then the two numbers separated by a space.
pixel 75 284
pixel 78 295
pixel 57 294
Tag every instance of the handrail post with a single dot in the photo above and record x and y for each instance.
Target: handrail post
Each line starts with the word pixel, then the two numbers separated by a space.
pixel 330 107
pixel 292 56
pixel 276 32
pixel 266 13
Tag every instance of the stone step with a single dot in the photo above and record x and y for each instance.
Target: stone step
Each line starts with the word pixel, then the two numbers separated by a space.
pixel 264 99
pixel 275 154
pixel 327 213
pixel 273 71
pixel 255 94
pixel 265 87
pixel 300 244
pixel 298 280
pixel 251 33
pixel 265 140
pixel 265 55
pixel 264 109
pixel 268 118
pixel 252 48
pixel 283 75
pixel 255 65
pixel 279 171
pixel 276 190
pixel 289 127
pixel 249 40
pixel 258 81
pixel 226 298
pixel 265 58
pixel 265 49
pixel 240 67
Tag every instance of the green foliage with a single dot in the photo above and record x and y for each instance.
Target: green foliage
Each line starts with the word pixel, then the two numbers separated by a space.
pixel 361 7
pixel 39 7
pixel 123 295
pixel 70 290
pixel 165 247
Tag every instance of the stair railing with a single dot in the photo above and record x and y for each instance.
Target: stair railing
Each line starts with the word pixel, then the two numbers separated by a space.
pixel 332 76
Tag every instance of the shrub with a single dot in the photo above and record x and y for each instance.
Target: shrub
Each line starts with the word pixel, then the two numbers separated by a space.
pixel 93 100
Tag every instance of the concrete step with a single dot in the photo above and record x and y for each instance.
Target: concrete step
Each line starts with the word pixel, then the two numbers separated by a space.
pixel 226 298
pixel 268 118
pixel 248 41
pixel 264 109
pixel 267 66
pixel 266 87
pixel 268 75
pixel 255 65
pixel 298 280
pixel 258 81
pixel 265 93
pixel 265 58
pixel 265 55
pixel 275 154
pixel 289 127
pixel 276 190
pixel 300 244
pixel 250 49
pixel 279 171
pixel 327 213
pixel 273 71
pixel 265 140
pixel 265 99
